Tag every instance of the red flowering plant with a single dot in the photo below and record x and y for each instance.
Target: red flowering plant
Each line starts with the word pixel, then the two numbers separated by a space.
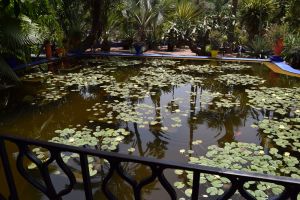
pixel 276 34
pixel 278 46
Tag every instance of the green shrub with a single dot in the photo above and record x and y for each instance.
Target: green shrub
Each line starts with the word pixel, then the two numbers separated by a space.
pixel 255 14
pixel 292 50
pixel 276 31
pixel 215 38
pixel 260 47
pixel 292 15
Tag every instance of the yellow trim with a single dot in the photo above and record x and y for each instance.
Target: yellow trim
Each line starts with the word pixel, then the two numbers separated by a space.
pixel 278 70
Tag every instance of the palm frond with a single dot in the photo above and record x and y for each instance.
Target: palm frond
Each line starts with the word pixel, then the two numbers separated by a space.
pixel 187 11
pixel 12 35
pixel 16 34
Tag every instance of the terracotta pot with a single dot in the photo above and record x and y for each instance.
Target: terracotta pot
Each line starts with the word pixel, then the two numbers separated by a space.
pixel 48 51
pixel 278 47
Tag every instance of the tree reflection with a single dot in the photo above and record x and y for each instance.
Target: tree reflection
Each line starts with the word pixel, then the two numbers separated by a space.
pixel 158 146
pixel 227 119
pixel 192 126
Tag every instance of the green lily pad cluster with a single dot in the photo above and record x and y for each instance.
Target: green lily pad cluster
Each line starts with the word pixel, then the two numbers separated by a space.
pixel 197 81
pixel 50 94
pixel 142 114
pixel 107 139
pixel 161 77
pixel 241 156
pixel 285 133
pixel 41 154
pixel 207 97
pixel 120 63
pixel 126 90
pixel 227 101
pixel 102 139
pixel 37 75
pixel 234 67
pixel 149 79
pixel 138 113
pixel 240 80
pixel 279 100
pixel 201 69
pixel 86 77
pixel 218 99
pixel 121 110
pixel 58 86
pixel 161 62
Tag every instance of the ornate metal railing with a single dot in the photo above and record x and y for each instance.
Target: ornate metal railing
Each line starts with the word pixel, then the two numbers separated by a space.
pixel 237 178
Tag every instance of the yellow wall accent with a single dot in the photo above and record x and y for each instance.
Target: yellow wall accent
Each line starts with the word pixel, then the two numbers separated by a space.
pixel 278 70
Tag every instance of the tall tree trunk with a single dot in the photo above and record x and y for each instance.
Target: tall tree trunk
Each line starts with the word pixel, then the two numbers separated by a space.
pixel 231 36
pixel 97 26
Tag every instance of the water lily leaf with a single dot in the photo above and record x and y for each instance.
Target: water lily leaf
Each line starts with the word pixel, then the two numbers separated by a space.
pixel 179 185
pixel 188 192
pixel 31 166
pixel 217 184
pixel 212 191
pixel 179 172
pixel 182 151
pixel 93 172
pixel 131 149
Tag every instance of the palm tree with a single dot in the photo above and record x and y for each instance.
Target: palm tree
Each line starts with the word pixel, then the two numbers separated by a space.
pixel 255 15
pixel 231 36
pixel 16 34
pixel 146 15
pixel 184 22
pixel 186 15
pixel 108 29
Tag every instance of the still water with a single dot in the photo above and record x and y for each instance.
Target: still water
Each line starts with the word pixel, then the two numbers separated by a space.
pixel 165 107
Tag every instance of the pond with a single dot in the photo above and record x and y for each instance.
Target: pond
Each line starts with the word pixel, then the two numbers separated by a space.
pixel 231 115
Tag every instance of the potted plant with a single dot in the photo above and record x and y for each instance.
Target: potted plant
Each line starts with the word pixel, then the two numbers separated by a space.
pixel 110 24
pixel 106 44
pixel 171 39
pixel 140 40
pixel 277 49
pixel 48 49
pixel 127 42
pixel 275 36
pixel 138 46
pixel 215 43
pixel 291 50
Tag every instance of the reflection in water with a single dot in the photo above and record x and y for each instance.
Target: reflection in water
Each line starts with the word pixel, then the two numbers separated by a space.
pixel 4 98
pixel 159 145
pixel 86 92
pixel 195 119
pixel 192 126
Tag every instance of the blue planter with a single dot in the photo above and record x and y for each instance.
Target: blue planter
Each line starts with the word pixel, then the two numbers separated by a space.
pixel 276 58
pixel 138 49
